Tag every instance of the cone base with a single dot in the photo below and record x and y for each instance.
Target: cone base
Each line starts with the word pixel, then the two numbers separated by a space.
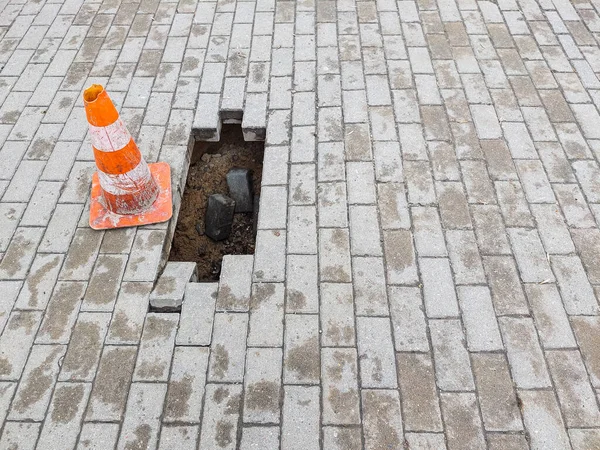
pixel 160 211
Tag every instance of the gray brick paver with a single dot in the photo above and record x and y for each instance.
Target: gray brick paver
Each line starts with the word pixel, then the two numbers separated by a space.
pixel 430 170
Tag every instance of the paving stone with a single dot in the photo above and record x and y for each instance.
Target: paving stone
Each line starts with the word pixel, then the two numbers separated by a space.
pixel 337 326
pixel 186 385
pixel 573 143
pixel 302 357
pixel 334 255
pixel 300 418
pixel 429 238
pixel 61 228
pixel 35 388
pixel 81 255
pixel 112 382
pixel 400 257
pixel 274 216
pixel 376 353
pixel 550 318
pixel 21 327
pixel 20 435
pixel 331 161
pixel 507 293
pixel 302 184
pixel 420 403
pixel 585 331
pixel 340 386
pixel 363 220
pixel 497 397
pixel 463 425
pixel 178 437
pixel 587 243
pixel 370 296
pixel 10 215
pixel 486 122
pixel 408 320
pixel 142 420
pixel 575 209
pixel 262 386
pixel 220 418
pixel 84 350
pixel 302 284
pixel 10 290
pixel 584 438
pixel 425 440
pixel 338 438
pixel 530 255
pixel 168 291
pixel 419 183
pixel 61 312
pixel 577 295
pixel 448 349
pixel 40 282
pixel 477 182
pixel 156 347
pixel 260 437
pixel 145 254
pixel 465 258
pixel 129 314
pixel 95 435
pixel 524 354
pixel 393 207
pixel 453 206
pixel 234 289
pixel 542 419
pixel 513 204
pixel 302 230
pixel 438 290
pixel 332 205
pixel 269 256
pixel 489 229
pixel 360 182
pixel 266 315
pixel 20 253
pixel 61 427
pixel 197 311
pixel 382 419
pixel 479 319
pixel 575 393
pixel 228 347
pixel 103 287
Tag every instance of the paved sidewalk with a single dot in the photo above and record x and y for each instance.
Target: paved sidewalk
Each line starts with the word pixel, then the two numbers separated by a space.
pixel 428 254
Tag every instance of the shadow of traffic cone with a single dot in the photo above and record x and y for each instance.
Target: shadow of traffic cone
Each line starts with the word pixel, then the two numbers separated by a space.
pixel 126 191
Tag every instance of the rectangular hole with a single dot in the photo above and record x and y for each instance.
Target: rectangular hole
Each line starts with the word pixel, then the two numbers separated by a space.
pixel 210 163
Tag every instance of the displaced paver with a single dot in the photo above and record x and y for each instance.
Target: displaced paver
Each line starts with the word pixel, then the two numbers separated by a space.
pixel 426 269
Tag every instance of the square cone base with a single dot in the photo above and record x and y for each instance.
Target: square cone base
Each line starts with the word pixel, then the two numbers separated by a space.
pixel 160 211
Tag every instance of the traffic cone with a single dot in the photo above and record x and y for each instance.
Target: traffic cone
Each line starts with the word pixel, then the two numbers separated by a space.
pixel 126 191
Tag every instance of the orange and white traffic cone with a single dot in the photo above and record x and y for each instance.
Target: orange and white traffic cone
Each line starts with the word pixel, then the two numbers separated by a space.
pixel 126 191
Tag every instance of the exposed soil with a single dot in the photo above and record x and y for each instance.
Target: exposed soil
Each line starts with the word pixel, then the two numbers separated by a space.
pixel 207 175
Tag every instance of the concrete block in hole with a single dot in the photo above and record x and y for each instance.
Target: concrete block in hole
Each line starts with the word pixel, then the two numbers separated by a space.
pixel 219 217
pixel 239 182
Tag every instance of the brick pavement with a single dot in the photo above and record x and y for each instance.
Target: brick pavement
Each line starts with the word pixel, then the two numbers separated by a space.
pixel 428 256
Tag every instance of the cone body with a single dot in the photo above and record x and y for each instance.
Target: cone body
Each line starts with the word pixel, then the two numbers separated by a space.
pixel 127 185
pixel 125 190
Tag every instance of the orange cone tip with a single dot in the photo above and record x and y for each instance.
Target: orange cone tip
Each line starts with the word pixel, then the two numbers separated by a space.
pixel 126 192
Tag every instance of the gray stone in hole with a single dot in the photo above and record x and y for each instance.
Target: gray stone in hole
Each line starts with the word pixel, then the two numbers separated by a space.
pixel 219 217
pixel 239 182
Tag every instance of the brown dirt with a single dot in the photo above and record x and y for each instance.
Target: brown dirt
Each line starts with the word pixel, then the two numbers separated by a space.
pixel 210 163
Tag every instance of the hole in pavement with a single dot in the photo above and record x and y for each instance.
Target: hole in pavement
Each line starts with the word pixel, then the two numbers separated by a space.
pixel 209 166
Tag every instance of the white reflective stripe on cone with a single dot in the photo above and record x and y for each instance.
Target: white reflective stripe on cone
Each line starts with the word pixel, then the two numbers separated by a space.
pixel 127 182
pixel 111 138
